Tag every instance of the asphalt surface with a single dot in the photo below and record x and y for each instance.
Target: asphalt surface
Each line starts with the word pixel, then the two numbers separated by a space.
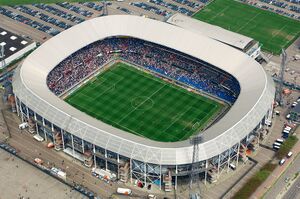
pixel 294 191
pixel 24 180
pixel 30 149
pixel 76 172
pixel 281 184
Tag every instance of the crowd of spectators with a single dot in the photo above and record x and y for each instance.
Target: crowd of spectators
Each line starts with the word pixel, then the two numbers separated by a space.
pixel 165 61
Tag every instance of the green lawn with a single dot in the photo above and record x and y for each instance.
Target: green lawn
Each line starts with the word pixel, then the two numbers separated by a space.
pixel 255 181
pixel 286 147
pixel 272 30
pixel 142 104
pixel 21 2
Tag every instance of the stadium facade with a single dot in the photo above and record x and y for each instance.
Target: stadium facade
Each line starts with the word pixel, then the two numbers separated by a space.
pixel 133 157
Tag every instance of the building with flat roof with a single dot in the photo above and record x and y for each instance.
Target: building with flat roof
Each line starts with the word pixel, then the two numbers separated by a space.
pixel 238 41
pixel 15 46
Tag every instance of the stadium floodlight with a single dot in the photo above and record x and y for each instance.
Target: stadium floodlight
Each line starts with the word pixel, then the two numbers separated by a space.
pixel 282 67
pixel 194 173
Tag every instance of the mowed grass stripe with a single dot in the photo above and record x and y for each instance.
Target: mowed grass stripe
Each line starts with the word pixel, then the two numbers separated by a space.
pixel 142 104
pixel 272 30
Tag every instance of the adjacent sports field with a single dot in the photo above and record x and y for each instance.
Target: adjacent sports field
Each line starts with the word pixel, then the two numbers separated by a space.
pixel 142 104
pixel 272 30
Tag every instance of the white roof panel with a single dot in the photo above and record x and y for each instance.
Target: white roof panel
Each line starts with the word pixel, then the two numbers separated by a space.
pixel 12 48
pixel 215 32
pixel 13 37
pixel 256 96
pixel 24 42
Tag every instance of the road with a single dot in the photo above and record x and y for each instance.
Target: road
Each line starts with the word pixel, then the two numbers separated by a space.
pixel 281 184
pixel 23 180
pixel 294 191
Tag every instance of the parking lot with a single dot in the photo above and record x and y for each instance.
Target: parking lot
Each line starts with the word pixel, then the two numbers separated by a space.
pixel 288 8
pixel 30 183
pixel 41 21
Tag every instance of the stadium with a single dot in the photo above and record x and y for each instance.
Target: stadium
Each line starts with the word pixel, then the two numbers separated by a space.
pixel 126 94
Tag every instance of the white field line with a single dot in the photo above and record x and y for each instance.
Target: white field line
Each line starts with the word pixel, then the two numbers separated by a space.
pixel 277 32
pixel 108 88
pixel 179 88
pixel 248 22
pixel 141 103
pixel 218 14
pixel 206 114
pixel 178 117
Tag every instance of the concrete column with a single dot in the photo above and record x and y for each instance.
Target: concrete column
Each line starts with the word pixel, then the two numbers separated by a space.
pixel 17 106
pixel 130 170
pixel 271 111
pixel 72 145
pixel 145 173
pixel 260 125
pixel 94 150
pixel 36 128
pixel 176 171
pixel 118 165
pixel 247 140
pixel 46 139
pixel 27 112
pixel 258 138
pixel 219 165
pixel 237 155
pixel 105 159
pixel 82 145
pixel 228 161
pixel 20 107
pixel 62 137
pixel 52 129
pixel 206 166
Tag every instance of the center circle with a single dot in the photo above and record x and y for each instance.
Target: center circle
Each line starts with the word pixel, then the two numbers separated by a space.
pixel 142 103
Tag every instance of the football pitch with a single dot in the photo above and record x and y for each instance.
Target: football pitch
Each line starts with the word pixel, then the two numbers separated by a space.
pixel 272 30
pixel 142 104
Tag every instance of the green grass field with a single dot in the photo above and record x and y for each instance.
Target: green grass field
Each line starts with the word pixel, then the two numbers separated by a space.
pixel 142 104
pixel 272 30
pixel 22 2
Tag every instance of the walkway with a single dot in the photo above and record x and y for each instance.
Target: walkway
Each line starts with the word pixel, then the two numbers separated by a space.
pixel 260 191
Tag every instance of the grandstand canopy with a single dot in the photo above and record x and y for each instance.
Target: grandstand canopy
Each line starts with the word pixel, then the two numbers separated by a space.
pixel 256 96
pixel 215 32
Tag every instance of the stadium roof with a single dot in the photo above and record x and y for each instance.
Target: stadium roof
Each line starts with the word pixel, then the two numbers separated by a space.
pixel 12 43
pixel 256 96
pixel 215 32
